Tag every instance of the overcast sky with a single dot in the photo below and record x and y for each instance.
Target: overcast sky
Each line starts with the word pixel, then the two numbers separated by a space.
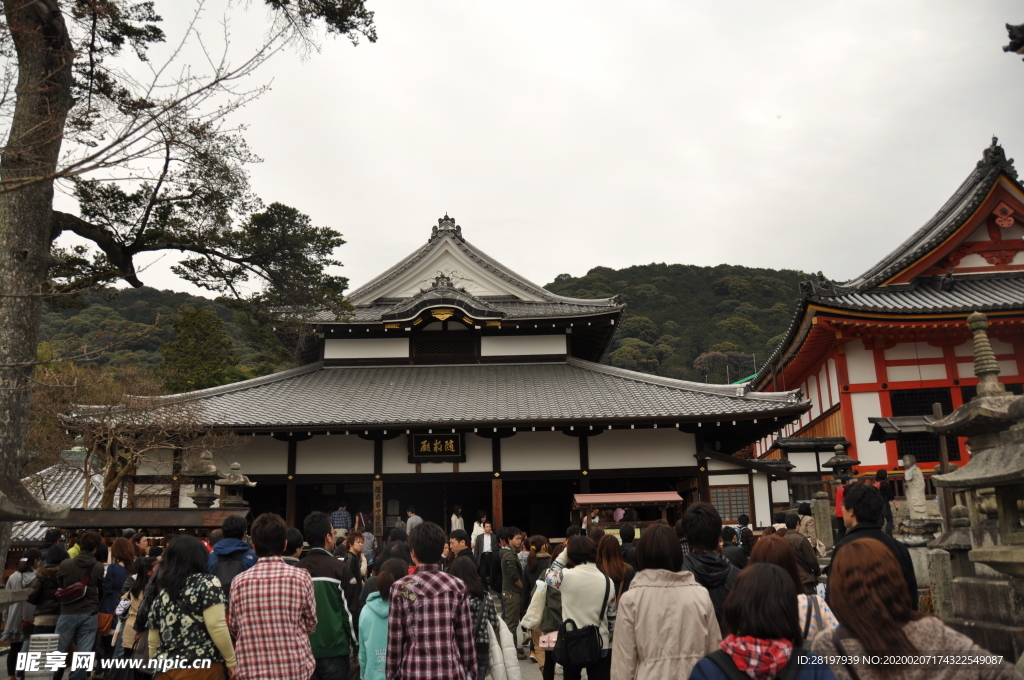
pixel 566 135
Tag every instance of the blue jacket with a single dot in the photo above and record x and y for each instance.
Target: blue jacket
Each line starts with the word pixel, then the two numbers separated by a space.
pixel 373 637
pixel 706 669
pixel 229 546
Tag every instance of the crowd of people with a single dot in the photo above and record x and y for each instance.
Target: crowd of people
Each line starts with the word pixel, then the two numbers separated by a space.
pixel 698 600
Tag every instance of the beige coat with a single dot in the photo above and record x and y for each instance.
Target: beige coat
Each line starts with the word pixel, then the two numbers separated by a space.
pixel 930 636
pixel 806 527
pixel 666 624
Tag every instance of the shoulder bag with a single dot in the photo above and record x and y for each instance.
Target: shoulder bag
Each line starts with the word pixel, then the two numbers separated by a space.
pixel 812 601
pixel 579 647
pixel 73 592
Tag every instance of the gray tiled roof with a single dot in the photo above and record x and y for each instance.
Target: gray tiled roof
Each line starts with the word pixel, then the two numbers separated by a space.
pixel 321 396
pixel 57 484
pixel 509 311
pixel 967 295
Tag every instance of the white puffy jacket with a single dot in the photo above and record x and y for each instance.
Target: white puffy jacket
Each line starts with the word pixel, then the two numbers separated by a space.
pixel 504 662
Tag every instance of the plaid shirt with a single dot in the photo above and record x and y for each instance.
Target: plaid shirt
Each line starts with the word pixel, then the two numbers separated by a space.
pixel 272 611
pixel 341 519
pixel 430 630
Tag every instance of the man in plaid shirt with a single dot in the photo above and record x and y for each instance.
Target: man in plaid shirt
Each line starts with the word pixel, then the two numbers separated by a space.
pixel 341 519
pixel 272 610
pixel 430 630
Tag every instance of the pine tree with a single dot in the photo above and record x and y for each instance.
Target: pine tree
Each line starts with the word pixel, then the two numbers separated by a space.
pixel 201 356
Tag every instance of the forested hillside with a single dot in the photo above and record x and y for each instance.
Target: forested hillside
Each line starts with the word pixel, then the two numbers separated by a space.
pixel 116 327
pixel 696 323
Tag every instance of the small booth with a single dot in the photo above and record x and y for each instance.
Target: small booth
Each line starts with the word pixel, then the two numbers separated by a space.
pixel 651 507
pixel 160 524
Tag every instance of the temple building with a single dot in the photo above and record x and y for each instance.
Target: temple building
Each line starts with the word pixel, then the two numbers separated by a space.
pixel 457 381
pixel 875 354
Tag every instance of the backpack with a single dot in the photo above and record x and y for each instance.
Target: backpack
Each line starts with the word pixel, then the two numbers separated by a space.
pixel 227 568
pixel 724 662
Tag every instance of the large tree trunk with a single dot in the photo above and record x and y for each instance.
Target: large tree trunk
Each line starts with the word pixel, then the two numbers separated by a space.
pixel 29 161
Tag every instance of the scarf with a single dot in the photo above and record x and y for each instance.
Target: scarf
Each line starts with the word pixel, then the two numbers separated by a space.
pixel 757 657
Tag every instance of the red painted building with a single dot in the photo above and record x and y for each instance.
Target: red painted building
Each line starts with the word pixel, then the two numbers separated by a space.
pixel 894 340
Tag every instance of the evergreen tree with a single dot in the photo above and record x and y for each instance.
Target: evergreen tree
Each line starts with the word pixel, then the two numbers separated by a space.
pixel 202 355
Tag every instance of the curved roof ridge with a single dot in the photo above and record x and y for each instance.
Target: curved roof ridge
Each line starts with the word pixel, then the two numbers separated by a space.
pixel 742 391
pixel 950 217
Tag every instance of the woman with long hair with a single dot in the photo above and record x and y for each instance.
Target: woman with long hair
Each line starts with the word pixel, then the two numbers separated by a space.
pixel 44 592
pixel 186 618
pixel 373 620
pixel 20 611
pixel 394 550
pixel 869 596
pixel 537 563
pixel 478 526
pixel 122 554
pixel 815 614
pixel 491 655
pixel 765 637
pixel 666 621
pixel 805 526
pixel 143 572
pixel 609 561
pixel 551 619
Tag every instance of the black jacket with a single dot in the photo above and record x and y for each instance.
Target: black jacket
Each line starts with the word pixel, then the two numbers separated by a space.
pixel 715 573
pixel 478 546
pixel 868 530
pixel 735 554
pixel 74 570
pixel 44 591
pixel 629 555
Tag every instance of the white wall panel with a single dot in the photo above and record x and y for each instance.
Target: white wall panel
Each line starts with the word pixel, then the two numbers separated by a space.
pixel 334 455
pixel 366 348
pixel 913 350
pixel 478 455
pixel 998 346
pixel 911 373
pixel 833 377
pixel 866 405
pixel 395 457
pixel 157 463
pixel 1005 368
pixel 512 345
pixel 529 451
pixel 804 460
pixel 762 512
pixel 812 394
pixel 262 455
pixel 860 363
pixel 663 447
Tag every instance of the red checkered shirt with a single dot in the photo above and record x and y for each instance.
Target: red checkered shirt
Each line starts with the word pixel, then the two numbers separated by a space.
pixel 271 612
pixel 430 630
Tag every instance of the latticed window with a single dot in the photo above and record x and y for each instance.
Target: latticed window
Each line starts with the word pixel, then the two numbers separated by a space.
pixel 152 501
pixel 924 447
pixel 971 392
pixel 731 501
pixel 445 343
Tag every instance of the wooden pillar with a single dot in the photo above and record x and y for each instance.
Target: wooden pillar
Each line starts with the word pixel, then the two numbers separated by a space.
pixel 496 503
pixel 771 502
pixel 495 455
pixel 750 487
pixel 289 503
pixel 703 483
pixel 175 479
pixel 584 463
pixel 378 508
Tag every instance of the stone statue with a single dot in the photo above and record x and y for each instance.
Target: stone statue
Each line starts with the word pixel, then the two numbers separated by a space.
pixel 913 484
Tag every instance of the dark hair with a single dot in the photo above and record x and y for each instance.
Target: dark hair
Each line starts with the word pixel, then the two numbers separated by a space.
pixel 352 537
pixel 56 555
pixel 466 570
pixel 315 529
pixel 234 527
pixel 216 536
pixel 342 504
pixel 412 509
pixel 881 474
pixel 777 550
pixel 53 536
pixel 609 560
pixel 791 521
pixel 142 568
pixel 702 525
pixel 155 551
pixel 457 508
pixel 804 509
pixel 427 541
pixel 294 541
pixel 728 533
pixel 185 556
pixel 397 534
pixel 481 515
pixel 743 520
pixel 557 551
pixel 595 534
pixel 397 550
pixel 459 535
pixel 658 548
pixel 779 518
pixel 573 530
pixel 269 534
pixel 581 550
pixel 29 559
pixel 537 544
pixel 508 533
pixel 390 571
pixel 627 533
pixel 88 541
pixel 123 552
pixel 865 501
pixel 868 594
pixel 102 552
pixel 763 604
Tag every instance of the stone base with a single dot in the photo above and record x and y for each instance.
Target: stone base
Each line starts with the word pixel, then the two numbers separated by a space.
pixel 999 601
pixel 992 637
pixel 919 557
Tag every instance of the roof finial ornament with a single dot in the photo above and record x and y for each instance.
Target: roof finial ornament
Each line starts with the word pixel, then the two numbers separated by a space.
pixel 442 281
pixel 995 157
pixel 986 368
pixel 947 282
pixel 1016 35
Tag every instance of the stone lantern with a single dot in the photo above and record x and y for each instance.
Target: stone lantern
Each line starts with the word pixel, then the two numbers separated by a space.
pixel 841 463
pixel 204 477
pixel 994 423
pixel 235 482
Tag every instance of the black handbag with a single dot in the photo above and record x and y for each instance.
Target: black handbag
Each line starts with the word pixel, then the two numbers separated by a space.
pixel 581 647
